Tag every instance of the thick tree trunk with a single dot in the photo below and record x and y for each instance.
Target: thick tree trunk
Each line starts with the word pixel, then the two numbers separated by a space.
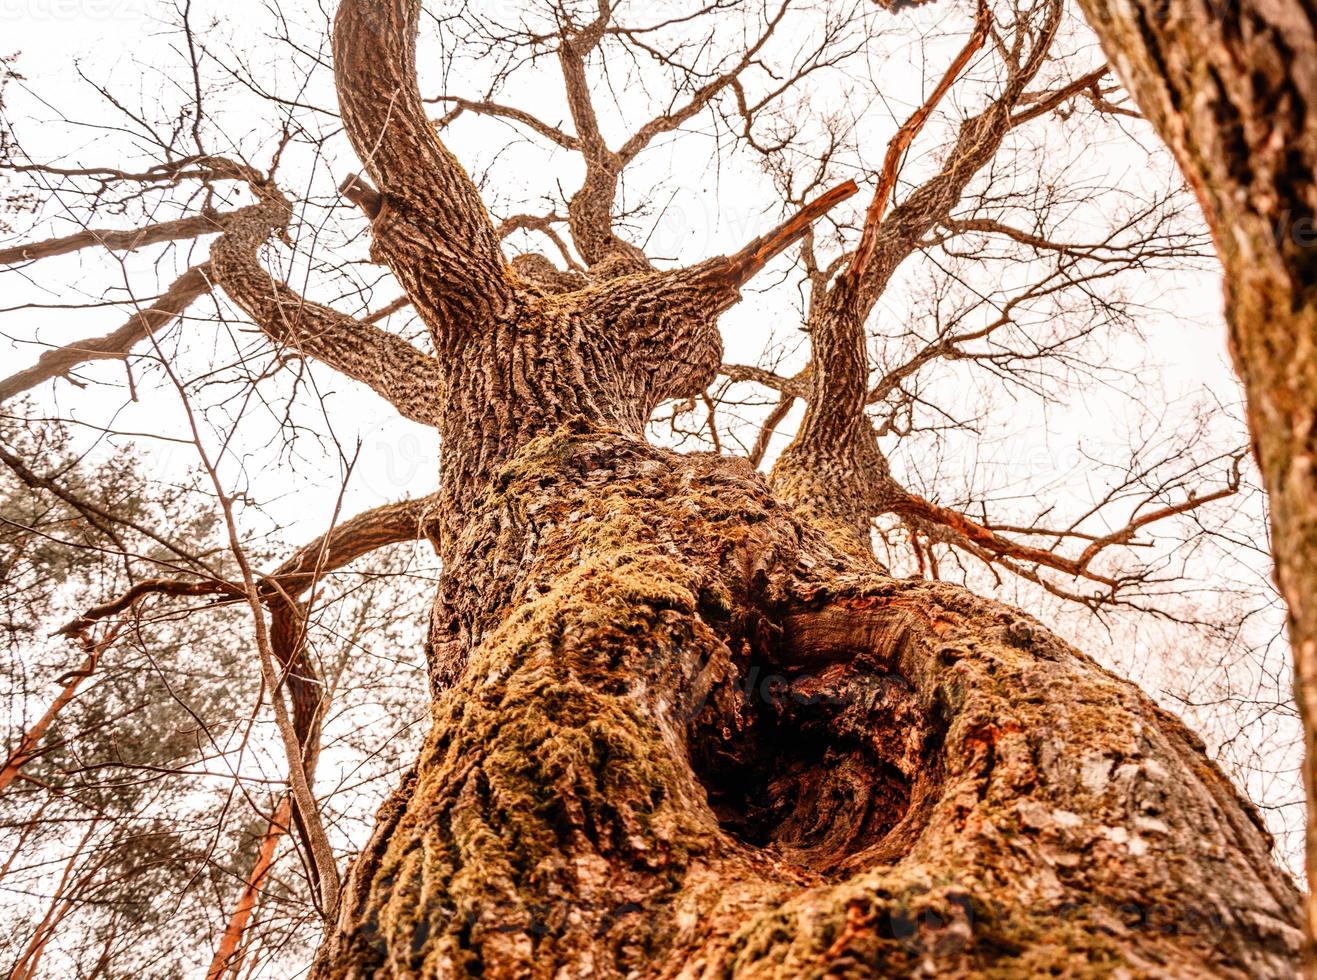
pixel 1232 88
pixel 694 739
pixel 684 724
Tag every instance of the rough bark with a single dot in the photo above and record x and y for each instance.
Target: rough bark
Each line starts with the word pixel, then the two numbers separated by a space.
pixel 694 739
pixel 1232 88
pixel 684 724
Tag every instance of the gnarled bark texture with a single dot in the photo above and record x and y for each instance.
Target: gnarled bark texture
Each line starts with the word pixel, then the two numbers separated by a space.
pixel 694 739
pixel 684 724
pixel 1232 88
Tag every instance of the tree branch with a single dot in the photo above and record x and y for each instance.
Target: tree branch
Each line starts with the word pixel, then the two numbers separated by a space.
pixel 60 362
pixel 590 211
pixel 405 377
pixel 513 114
pixel 432 229
pixel 1045 102
pixel 369 531
pixel 796 386
pixel 701 98
pixel 834 468
pixel 116 240
pixel 900 231
pixel 899 143
pixel 389 524
pixel 743 265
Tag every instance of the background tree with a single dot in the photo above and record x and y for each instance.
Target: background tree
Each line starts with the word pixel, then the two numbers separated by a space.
pixel 144 787
pixel 686 717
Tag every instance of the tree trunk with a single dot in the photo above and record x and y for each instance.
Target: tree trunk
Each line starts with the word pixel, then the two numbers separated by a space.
pixel 695 739
pixel 1232 87
pixel 684 725
pixel 27 744
pixel 227 960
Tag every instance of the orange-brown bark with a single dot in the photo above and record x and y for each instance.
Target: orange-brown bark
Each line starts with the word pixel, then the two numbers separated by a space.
pixel 685 725
pixel 28 744
pixel 228 954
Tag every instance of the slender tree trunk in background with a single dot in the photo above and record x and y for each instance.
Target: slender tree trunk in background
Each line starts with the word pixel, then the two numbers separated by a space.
pixel 27 745
pixel 1232 88
pixel 60 904
pixel 228 959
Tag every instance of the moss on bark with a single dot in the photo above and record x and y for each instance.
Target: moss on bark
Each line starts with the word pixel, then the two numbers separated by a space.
pixel 933 783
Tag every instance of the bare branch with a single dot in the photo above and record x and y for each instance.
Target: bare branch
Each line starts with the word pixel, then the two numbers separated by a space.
pixel 431 217
pixel 769 428
pixel 406 520
pixel 497 111
pixel 369 531
pixel 705 94
pixel 900 231
pixel 796 386
pixel 1045 102
pixel 746 263
pixel 59 363
pixel 116 241
pixel 405 377
pixel 899 143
